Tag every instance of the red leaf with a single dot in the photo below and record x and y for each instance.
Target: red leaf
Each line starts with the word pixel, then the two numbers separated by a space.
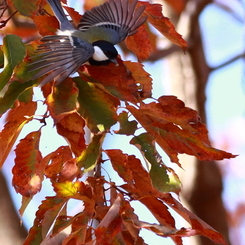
pixel 28 170
pixel 163 24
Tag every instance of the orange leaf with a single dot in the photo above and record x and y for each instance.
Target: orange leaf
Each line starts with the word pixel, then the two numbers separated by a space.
pixel 163 24
pixel 16 119
pixel 46 25
pixel 28 170
pixel 140 43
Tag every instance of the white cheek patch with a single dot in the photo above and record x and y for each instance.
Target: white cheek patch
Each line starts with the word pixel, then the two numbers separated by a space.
pixel 99 54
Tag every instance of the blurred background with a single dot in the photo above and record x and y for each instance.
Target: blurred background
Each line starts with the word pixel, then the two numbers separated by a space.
pixel 209 77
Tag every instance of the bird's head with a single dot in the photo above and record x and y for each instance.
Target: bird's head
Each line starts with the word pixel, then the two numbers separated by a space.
pixel 104 53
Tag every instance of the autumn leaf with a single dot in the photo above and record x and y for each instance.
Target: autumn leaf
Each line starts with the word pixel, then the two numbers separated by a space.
pixel 177 129
pixel 62 100
pixel 71 127
pixel 15 121
pixel 25 9
pixel 140 43
pixel 96 106
pixel 142 78
pixel 88 158
pixel 163 24
pixel 126 127
pixel 46 25
pixel 76 17
pixel 46 213
pixel 14 52
pixel 69 189
pixel 163 178
pixel 28 170
pixel 117 80
pixel 197 224
pixel 55 161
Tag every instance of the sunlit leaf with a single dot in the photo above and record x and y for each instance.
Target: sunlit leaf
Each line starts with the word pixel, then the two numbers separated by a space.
pixel 71 127
pixel 68 188
pixel 96 106
pixel 28 170
pixel 88 159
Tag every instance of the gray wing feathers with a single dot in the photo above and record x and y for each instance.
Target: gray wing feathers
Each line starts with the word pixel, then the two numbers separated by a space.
pixel 119 15
pixel 61 57
pixel 60 15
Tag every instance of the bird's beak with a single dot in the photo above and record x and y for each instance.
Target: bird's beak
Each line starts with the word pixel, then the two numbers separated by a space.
pixel 114 61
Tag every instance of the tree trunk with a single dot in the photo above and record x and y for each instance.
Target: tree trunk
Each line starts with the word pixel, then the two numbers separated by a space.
pixel 11 230
pixel 203 186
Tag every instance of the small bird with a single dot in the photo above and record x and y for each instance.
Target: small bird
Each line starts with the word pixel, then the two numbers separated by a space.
pixel 91 42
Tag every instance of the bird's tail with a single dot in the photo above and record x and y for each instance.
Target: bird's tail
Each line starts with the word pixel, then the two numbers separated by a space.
pixel 60 15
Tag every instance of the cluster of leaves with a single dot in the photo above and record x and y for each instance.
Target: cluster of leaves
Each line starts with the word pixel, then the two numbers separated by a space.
pixel 98 99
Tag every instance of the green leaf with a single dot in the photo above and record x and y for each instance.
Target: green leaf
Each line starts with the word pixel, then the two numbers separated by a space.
pixel 14 52
pixel 26 8
pixel 89 157
pixel 126 127
pixel 163 178
pixel 14 90
pixel 96 106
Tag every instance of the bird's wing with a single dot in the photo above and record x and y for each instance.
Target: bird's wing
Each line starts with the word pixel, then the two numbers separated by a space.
pixel 118 18
pixel 60 55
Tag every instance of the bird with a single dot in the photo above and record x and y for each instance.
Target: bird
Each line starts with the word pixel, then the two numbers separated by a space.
pixel 91 42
